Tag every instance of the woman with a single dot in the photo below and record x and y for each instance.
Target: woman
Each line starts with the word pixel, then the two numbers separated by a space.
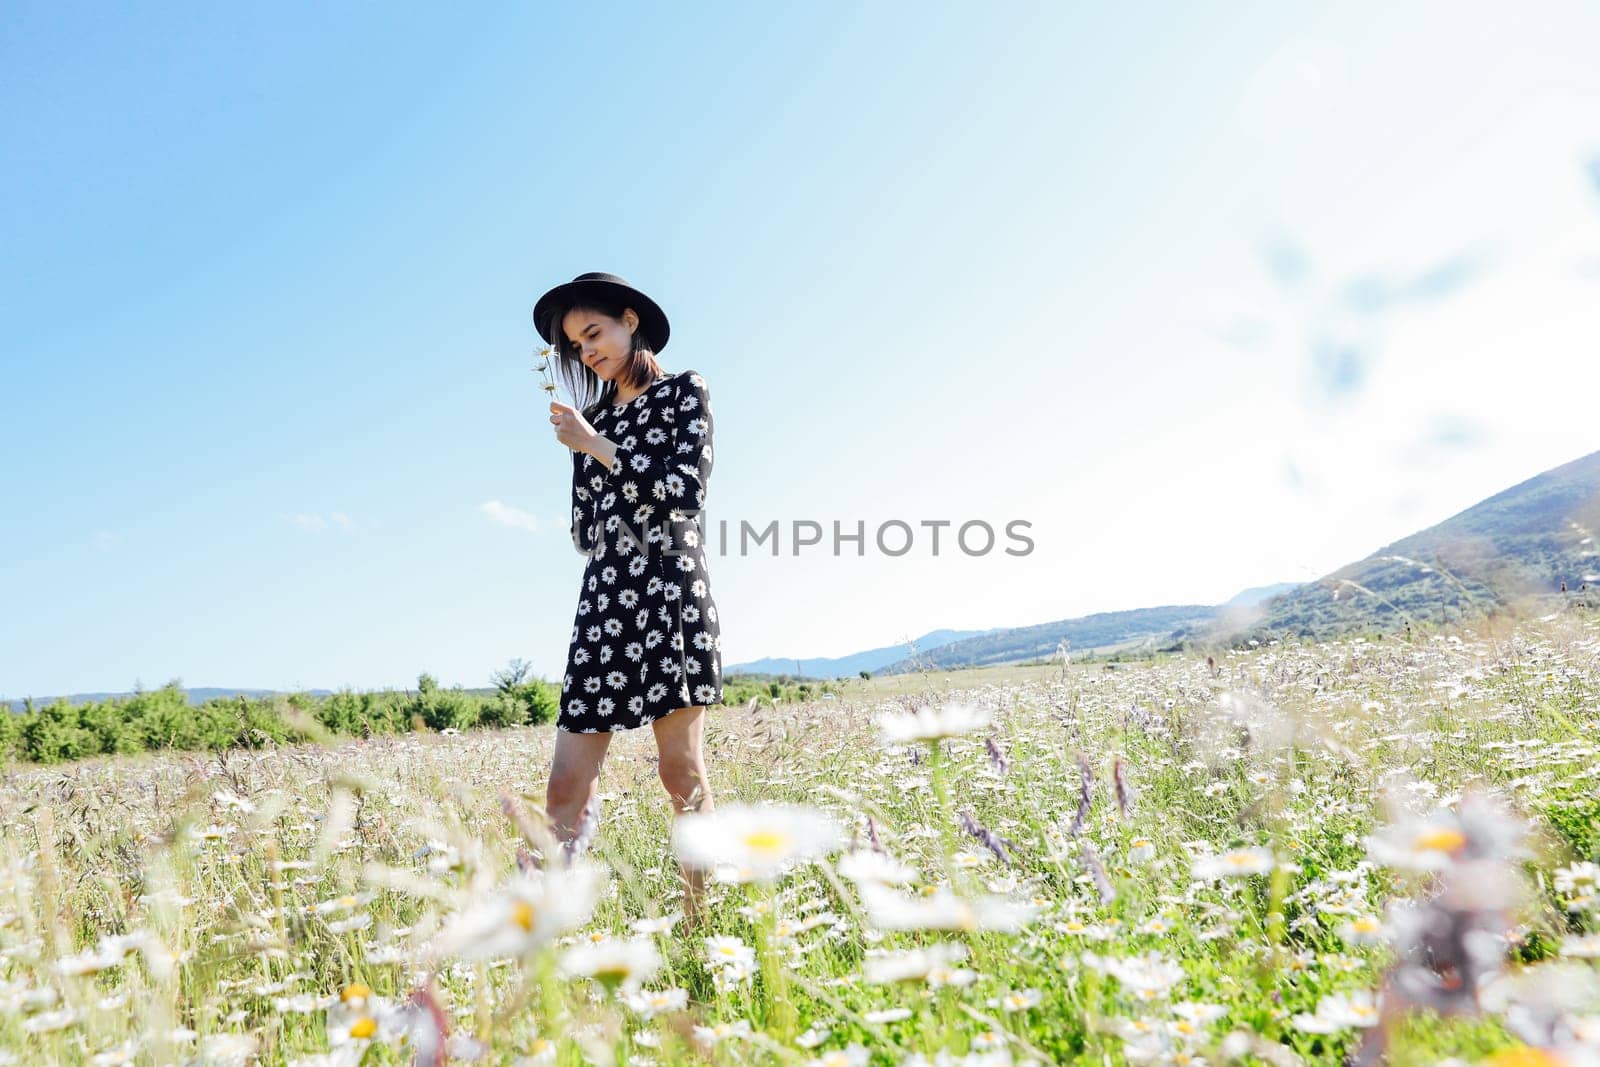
pixel 646 646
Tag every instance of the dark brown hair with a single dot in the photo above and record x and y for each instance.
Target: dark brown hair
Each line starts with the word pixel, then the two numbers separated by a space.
pixel 585 386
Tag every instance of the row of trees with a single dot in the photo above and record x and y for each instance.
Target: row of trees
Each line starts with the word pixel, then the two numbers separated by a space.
pixel 164 718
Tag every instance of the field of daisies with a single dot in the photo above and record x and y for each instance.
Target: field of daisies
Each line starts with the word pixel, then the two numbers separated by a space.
pixel 1369 851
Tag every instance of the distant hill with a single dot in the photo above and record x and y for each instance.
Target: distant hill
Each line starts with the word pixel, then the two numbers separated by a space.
pixel 1258 594
pixel 848 666
pixel 1105 631
pixel 1507 553
pixel 195 696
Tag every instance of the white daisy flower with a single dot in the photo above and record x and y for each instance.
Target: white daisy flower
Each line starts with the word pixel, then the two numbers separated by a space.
pixel 1340 1011
pixel 911 965
pixel 648 1003
pixel 929 723
pixel 762 841
pixel 1237 863
pixel 525 914
pixel 888 909
pixel 613 963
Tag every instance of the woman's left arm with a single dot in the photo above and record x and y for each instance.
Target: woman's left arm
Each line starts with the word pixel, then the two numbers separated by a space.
pixel 691 435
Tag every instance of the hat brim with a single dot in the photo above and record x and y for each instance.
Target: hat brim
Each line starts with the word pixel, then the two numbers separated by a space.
pixel 652 320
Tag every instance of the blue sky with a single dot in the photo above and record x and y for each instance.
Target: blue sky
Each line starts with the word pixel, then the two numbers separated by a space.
pixel 1211 295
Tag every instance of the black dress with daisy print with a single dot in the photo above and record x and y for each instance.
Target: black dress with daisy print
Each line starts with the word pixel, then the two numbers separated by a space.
pixel 645 639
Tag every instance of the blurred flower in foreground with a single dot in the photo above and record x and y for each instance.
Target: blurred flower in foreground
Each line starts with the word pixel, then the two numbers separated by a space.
pixel 1450 946
pixel 1581 884
pixel 1552 1007
pixel 358 1017
pixel 869 865
pixel 1238 863
pixel 628 964
pixel 1147 977
pixel 912 964
pixel 527 913
pixel 650 1003
pixel 929 723
pixel 755 842
pixel 724 950
pixel 888 909
pixel 110 952
pixel 1451 943
pixel 1340 1011
pixel 1478 829
pixel 854 1054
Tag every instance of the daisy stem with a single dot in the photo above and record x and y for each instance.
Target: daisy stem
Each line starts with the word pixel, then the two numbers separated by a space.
pixel 485 1011
pixel 942 798
pixel 773 975
pixel 549 994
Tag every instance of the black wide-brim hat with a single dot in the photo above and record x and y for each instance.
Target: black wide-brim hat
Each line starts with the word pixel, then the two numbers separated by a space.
pixel 549 308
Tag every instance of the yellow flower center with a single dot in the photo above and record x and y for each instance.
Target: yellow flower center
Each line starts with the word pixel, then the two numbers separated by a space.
pixel 355 991
pixel 522 915
pixel 365 1026
pixel 1183 1026
pixel 1445 840
pixel 765 841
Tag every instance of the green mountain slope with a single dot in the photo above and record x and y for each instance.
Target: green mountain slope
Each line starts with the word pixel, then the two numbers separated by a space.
pixel 1507 554
pixel 1141 627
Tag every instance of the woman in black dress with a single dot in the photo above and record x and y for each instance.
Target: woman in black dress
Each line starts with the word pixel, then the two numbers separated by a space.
pixel 646 646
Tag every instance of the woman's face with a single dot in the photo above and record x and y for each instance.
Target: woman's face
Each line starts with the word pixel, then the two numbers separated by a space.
pixel 602 342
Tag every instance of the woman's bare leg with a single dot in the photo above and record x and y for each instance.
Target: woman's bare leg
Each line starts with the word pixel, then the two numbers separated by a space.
pixel 574 779
pixel 679 735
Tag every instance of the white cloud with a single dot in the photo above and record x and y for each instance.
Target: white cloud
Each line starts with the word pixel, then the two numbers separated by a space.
pixel 516 518
pixel 307 522
pixel 104 540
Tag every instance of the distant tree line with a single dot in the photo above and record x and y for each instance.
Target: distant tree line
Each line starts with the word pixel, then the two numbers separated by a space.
pixel 164 718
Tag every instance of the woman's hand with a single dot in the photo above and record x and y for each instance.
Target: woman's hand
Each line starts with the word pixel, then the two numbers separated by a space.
pixel 572 429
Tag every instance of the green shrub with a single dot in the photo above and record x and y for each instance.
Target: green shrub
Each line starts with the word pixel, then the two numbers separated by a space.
pixel 164 718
